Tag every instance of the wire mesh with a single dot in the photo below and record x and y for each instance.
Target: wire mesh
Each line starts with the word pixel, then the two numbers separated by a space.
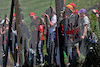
pixel 31 56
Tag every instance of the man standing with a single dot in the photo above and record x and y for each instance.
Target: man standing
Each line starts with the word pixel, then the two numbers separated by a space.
pixel 52 33
pixel 41 41
pixel 14 44
pixel 84 25
pixel 34 30
pixel 34 37
pixel 70 24
pixel 4 33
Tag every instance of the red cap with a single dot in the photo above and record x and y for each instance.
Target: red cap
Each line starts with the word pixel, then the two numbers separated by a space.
pixel 73 5
pixel 32 13
pixel 14 15
pixel 75 11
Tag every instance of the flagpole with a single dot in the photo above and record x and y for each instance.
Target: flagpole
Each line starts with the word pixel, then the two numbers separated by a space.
pixel 8 41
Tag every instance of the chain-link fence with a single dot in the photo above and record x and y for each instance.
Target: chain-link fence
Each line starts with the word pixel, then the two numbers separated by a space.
pixel 38 36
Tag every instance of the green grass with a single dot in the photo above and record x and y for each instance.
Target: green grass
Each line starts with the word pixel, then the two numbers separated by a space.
pixel 39 6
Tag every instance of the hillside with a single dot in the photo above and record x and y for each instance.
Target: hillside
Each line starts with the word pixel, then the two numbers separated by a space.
pixel 39 6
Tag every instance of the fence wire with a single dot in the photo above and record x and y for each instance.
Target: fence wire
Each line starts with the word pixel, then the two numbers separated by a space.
pixel 33 54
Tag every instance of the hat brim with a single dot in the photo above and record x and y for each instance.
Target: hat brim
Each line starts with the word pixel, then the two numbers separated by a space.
pixel 31 15
pixel 72 10
pixel 79 12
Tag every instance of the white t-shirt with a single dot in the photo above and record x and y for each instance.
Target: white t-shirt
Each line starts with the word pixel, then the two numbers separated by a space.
pixel 53 20
pixel 84 22
pixel 4 21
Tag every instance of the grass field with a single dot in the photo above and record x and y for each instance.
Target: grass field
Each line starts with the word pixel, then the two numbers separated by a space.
pixel 39 6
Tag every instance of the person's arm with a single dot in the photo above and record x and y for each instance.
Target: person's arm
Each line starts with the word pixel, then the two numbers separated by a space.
pixel 6 30
pixel 97 15
pixel 84 33
pixel 95 12
pixel 43 21
pixel 53 10
pixel 31 25
pixel 7 19
pixel 51 23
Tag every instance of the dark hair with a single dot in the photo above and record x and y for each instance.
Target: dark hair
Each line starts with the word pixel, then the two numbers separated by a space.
pixel 40 21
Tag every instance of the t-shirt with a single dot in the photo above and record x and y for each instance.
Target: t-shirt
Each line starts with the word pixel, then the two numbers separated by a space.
pixel 34 32
pixel 34 24
pixel 3 21
pixel 84 21
pixel 41 29
pixel 97 11
pixel 21 16
pixel 24 30
pixel 53 20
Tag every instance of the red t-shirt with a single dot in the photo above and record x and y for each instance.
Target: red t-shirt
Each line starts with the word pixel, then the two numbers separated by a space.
pixel 75 11
pixel 41 29
pixel 97 11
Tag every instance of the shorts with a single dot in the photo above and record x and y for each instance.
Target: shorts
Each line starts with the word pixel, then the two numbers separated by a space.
pixel 76 44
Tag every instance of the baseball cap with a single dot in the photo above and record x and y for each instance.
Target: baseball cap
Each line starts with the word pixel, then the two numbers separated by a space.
pixel 82 11
pixel 32 13
pixel 14 15
pixel 75 11
pixel 73 5
pixel 70 7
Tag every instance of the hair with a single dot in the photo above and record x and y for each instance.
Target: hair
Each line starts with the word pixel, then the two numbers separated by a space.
pixel 40 22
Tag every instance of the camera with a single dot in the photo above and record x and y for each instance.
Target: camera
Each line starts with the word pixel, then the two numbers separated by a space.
pixel 5 15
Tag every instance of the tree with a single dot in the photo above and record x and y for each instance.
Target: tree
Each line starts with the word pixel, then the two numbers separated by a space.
pixel 18 32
